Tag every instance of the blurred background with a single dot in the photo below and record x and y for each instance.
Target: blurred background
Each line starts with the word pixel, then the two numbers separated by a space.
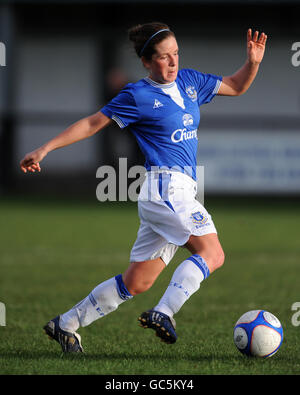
pixel 64 60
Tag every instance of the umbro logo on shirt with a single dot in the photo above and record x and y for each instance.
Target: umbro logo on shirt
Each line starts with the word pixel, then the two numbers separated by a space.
pixel 157 104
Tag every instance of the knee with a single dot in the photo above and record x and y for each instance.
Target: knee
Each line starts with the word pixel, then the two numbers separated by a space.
pixel 136 288
pixel 218 259
pixel 140 276
pixel 214 258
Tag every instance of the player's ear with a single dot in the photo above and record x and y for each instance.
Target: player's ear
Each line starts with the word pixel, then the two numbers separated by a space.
pixel 146 63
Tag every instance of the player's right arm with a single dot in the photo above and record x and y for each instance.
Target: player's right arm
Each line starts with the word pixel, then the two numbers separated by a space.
pixel 80 130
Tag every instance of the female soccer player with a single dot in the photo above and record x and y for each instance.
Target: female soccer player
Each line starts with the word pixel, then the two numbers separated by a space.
pixel 162 111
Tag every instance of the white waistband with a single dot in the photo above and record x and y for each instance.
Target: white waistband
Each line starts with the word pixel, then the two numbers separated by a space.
pixel 178 175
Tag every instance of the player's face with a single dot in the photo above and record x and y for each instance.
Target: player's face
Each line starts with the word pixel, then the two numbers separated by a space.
pixel 163 67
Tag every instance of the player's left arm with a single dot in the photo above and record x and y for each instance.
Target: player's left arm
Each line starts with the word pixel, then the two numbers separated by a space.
pixel 239 82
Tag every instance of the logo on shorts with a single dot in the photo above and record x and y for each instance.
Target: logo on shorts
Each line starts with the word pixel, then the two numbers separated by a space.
pixel 191 92
pixel 199 218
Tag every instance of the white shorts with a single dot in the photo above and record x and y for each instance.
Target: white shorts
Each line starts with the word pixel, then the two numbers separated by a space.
pixel 169 215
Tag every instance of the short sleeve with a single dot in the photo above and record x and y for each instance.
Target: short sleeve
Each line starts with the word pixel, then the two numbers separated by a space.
pixel 122 108
pixel 206 85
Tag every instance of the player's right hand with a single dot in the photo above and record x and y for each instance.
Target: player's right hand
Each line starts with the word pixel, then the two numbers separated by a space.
pixel 31 160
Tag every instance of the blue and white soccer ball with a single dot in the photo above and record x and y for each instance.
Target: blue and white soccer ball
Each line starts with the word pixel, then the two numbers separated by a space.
pixel 258 333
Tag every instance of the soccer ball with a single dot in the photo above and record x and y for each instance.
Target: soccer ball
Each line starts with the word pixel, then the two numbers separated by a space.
pixel 258 333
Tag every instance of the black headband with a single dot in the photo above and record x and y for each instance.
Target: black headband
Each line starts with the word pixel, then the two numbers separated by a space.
pixel 149 39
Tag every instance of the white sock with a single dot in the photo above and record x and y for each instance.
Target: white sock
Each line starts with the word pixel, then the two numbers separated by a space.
pixel 185 281
pixel 104 299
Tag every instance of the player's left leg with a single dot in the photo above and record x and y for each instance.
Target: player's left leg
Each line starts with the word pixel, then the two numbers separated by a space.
pixel 207 256
pixel 209 248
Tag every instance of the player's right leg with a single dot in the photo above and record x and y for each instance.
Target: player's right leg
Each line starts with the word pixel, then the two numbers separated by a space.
pixel 69 341
pixel 140 276
pixel 103 299
pixel 144 271
pixel 149 256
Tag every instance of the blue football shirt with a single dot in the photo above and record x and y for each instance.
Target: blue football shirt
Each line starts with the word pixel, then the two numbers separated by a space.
pixel 164 118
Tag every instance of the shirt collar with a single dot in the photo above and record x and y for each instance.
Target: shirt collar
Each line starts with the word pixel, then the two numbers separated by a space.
pixel 158 85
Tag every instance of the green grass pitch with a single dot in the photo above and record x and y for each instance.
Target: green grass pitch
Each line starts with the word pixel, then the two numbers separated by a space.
pixel 52 254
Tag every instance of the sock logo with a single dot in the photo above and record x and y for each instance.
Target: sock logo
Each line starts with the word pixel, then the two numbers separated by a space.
pixel 94 303
pixel 177 285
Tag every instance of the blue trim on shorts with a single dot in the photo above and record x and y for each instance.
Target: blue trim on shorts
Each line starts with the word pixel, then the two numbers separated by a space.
pixel 121 288
pixel 160 190
pixel 200 262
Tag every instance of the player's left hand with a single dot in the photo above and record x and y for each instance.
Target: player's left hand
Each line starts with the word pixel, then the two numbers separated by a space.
pixel 256 46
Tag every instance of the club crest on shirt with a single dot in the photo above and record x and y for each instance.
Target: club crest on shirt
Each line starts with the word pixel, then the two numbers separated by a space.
pixel 191 92
pixel 187 120
pixel 199 218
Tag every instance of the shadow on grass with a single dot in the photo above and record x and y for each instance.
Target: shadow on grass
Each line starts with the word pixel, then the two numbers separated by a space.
pixel 116 356
pixel 118 362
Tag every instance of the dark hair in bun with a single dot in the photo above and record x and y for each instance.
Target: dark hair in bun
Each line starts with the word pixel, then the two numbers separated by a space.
pixel 146 36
